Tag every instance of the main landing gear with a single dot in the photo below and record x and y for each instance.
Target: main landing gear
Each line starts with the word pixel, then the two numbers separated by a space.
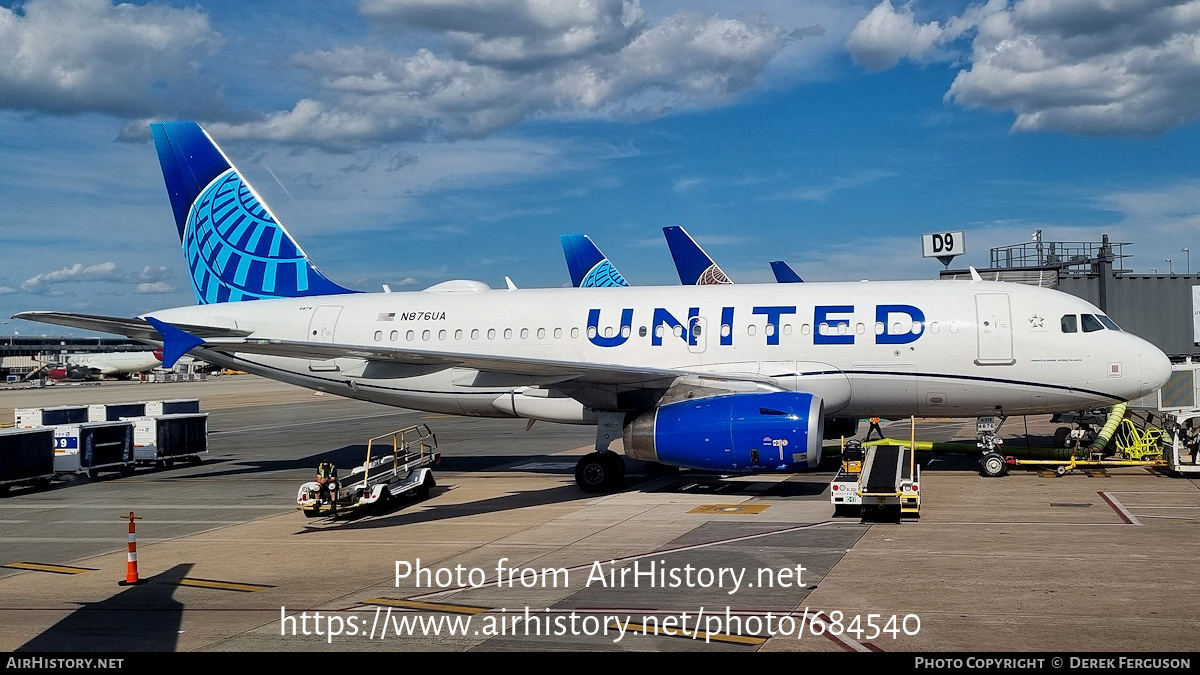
pixel 600 471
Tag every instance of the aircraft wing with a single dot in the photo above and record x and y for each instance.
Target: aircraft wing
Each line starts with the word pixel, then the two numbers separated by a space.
pixel 592 373
pixel 138 329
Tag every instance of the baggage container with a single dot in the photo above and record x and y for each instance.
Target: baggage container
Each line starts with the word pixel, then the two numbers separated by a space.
pixel 32 418
pixel 177 406
pixel 93 447
pixel 112 412
pixel 26 457
pixel 166 439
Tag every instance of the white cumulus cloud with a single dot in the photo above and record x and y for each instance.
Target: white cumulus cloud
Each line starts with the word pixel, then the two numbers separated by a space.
pixel 1091 68
pixel 511 61
pixel 150 278
pixel 75 56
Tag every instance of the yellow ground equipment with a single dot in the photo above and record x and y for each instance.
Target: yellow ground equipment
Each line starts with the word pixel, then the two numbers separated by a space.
pixel 882 476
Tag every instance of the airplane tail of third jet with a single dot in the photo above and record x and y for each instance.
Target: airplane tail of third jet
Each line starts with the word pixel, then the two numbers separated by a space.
pixel 236 249
pixel 588 266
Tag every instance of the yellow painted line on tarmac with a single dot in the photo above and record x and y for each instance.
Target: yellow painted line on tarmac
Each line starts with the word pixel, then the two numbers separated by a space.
pixel 44 567
pixel 641 629
pixel 222 585
pixel 428 606
pixel 731 509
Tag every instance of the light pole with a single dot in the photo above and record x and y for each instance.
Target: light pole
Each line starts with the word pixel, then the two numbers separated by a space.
pixel 1170 267
pixel 1189 258
pixel 1154 269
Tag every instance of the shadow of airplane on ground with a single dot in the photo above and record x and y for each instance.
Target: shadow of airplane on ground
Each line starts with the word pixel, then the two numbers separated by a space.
pixel 143 618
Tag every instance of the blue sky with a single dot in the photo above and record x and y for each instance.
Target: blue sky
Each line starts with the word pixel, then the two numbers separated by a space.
pixel 409 142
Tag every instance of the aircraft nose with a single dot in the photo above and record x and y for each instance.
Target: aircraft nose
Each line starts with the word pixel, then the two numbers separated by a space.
pixel 1156 369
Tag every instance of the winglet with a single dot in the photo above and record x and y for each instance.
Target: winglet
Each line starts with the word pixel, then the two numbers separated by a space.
pixel 784 273
pixel 974 275
pixel 176 342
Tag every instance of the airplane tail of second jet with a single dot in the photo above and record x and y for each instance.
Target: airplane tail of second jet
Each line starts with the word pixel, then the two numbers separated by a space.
pixel 236 249
pixel 695 267
pixel 588 266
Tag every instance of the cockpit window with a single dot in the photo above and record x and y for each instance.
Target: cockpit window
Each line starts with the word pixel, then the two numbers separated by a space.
pixel 1091 323
pixel 1109 323
pixel 1069 324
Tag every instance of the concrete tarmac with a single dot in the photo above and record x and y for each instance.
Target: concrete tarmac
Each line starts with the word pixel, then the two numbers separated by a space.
pixel 1097 561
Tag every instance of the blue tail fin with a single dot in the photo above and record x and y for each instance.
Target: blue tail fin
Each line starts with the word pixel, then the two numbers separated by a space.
pixel 695 267
pixel 236 249
pixel 784 274
pixel 588 266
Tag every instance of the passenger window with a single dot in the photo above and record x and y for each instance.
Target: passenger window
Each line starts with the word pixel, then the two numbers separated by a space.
pixel 491 333
pixel 541 333
pixel 591 331
pixel 394 336
pixel 458 334
pixel 507 333
pixel 934 327
pixel 770 329
pixel 658 330
pixel 524 333
pixel 726 329
pixel 750 329
pixel 410 336
pixel 1069 324
pixel 625 331
pixel 557 333
pixel 441 335
pixel 378 335
pixel 424 335
pixel 474 333
pixel 575 332
pixel 1109 323
pixel 861 328
pixel 677 331
pixel 696 329
pixel 642 331
pixel 787 329
pixel 1090 323
pixel 879 328
pixel 804 329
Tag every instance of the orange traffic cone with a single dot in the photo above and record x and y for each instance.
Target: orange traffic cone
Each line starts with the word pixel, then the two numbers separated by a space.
pixel 131 571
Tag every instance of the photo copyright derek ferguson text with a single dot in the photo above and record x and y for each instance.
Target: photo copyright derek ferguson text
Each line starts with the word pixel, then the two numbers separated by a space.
pixel 426 615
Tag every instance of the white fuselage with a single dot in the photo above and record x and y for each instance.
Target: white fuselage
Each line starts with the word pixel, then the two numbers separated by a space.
pixel 115 363
pixel 979 347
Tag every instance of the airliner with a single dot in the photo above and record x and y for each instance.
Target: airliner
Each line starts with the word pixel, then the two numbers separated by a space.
pixel 115 364
pixel 724 378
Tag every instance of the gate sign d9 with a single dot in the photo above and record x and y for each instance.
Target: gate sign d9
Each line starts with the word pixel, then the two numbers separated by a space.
pixel 941 244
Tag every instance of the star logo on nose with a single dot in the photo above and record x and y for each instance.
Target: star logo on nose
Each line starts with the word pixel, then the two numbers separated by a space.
pixel 1035 321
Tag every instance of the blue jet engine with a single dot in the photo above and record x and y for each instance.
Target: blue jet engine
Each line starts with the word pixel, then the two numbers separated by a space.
pixel 735 433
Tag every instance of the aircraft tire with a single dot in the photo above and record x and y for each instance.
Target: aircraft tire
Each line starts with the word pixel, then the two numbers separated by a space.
pixel 1060 436
pixel 595 472
pixel 992 465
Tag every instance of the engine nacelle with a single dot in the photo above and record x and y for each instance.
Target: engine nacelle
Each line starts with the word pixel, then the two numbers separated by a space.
pixel 780 431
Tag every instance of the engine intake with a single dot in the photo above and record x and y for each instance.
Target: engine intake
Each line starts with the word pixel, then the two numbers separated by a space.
pixel 780 431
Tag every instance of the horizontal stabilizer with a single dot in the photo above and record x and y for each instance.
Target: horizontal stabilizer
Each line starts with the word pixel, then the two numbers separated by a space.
pixel 176 342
